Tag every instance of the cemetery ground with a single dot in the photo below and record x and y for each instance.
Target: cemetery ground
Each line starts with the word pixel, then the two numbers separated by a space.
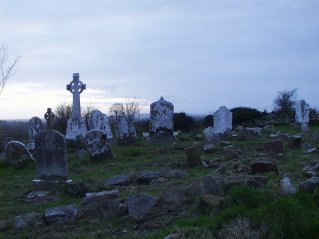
pixel 184 208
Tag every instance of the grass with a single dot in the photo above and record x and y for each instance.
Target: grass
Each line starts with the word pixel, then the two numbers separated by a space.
pixel 277 216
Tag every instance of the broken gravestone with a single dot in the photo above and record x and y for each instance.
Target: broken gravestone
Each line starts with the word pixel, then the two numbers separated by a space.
pixel 100 121
pixel 51 160
pixel 223 119
pixel 17 155
pixel 161 122
pixel 97 144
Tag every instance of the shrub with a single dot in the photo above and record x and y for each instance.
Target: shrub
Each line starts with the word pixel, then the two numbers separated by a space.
pixel 208 121
pixel 183 122
pixel 246 116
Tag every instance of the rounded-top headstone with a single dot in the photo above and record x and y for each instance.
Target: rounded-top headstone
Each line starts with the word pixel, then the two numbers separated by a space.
pixel 50 156
pixel 223 120
pixel 35 127
pixel 17 155
pixel 161 121
pixel 100 121
pixel 97 144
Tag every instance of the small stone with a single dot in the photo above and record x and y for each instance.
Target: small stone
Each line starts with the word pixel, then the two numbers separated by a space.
pixel 146 176
pixel 286 186
pixel 25 220
pixel 264 165
pixel 275 147
pixel 312 150
pixel 246 180
pixel 213 184
pixel 61 215
pixel 122 179
pixel 174 236
pixel 209 148
pixel 180 195
pixel 310 185
pixel 139 205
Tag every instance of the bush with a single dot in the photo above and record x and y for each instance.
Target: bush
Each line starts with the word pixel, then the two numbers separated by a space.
pixel 246 116
pixel 208 121
pixel 183 122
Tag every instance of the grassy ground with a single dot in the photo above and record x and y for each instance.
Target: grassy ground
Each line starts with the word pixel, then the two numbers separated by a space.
pixel 243 209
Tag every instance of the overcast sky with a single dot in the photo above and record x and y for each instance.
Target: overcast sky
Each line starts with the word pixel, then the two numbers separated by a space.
pixel 199 55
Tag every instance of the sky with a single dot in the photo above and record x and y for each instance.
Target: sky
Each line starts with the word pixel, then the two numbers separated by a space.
pixel 199 55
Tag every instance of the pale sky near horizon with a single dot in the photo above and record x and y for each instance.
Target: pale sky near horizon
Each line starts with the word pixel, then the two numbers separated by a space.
pixel 199 55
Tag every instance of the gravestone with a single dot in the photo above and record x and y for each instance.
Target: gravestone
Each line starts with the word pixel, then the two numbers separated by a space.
pixel 97 144
pixel 125 131
pixel 223 120
pixel 100 121
pixel 302 114
pixel 161 122
pixel 49 116
pixel 76 125
pixel 17 155
pixel 50 156
pixel 35 127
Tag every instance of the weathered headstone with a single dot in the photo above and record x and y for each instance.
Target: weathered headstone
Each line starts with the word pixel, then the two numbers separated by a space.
pixel 125 130
pixel 97 144
pixel 100 121
pixel 35 127
pixel 223 120
pixel 17 155
pixel 193 156
pixel 49 116
pixel 76 125
pixel 50 156
pixel 161 122
pixel 302 112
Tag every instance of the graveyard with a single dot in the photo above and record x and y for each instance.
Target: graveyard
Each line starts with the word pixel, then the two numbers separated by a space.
pixel 220 181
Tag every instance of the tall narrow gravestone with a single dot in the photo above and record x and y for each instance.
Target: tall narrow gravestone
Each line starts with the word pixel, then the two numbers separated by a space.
pixel 302 114
pixel 100 121
pixel 50 158
pixel 76 126
pixel 161 122
pixel 223 120
pixel 125 131
pixel 35 127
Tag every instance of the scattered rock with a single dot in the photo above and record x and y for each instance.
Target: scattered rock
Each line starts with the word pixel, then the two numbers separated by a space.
pixel 242 168
pixel 101 205
pixel 146 176
pixel 213 184
pixel 139 205
pixel 311 150
pixel 61 215
pixel 311 169
pixel 172 173
pixel 25 220
pixel 159 180
pixel 264 165
pixel 193 157
pixel 230 152
pixel 209 148
pixel 119 180
pixel 246 180
pixel 275 147
pixel 174 236
pixel 17 155
pixel 286 186
pixel 310 185
pixel 180 195
pixel 5 225
pixel 37 194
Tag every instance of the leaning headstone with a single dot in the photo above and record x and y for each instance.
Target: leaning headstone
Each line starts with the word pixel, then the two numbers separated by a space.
pixel 193 156
pixel 161 122
pixel 302 114
pixel 61 215
pixel 76 125
pixel 97 144
pixel 35 127
pixel 125 130
pixel 17 155
pixel 223 120
pixel 51 160
pixel 100 121
pixel 49 116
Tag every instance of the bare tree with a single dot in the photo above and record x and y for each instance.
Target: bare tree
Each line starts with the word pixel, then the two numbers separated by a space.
pixel 129 109
pixel 62 114
pixel 7 65
pixel 284 104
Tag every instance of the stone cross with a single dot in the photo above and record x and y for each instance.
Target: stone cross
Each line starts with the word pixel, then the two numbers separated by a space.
pixel 49 116
pixel 76 87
